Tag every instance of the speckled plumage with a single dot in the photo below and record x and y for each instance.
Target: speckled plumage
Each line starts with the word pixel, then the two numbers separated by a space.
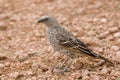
pixel 65 42
pixel 55 35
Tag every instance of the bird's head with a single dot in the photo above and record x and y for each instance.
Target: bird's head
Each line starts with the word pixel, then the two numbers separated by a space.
pixel 48 20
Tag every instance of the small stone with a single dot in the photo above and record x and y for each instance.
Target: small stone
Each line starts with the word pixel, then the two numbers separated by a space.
pixel 95 19
pixel 98 5
pixel 34 54
pixel 76 75
pixel 100 50
pixel 115 73
pixel 104 34
pixel 42 77
pixel 29 73
pixel 7 64
pixel 28 79
pixel 106 79
pixel 118 54
pixel 37 34
pixel 3 26
pixel 85 78
pixel 115 48
pixel 35 66
pixel 116 34
pixel 44 68
pixel 117 42
pixel 85 73
pixel 33 78
pixel 78 64
pixel 91 33
pixel 14 75
pixel 103 20
pixel 104 70
pixel 94 77
pixel 23 57
pixel 2 57
pixel 101 62
pixel 113 29
pixel 110 38
pixel 55 77
pixel 2 66
pixel 118 78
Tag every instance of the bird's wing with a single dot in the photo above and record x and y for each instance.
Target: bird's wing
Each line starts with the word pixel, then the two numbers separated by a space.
pixel 70 43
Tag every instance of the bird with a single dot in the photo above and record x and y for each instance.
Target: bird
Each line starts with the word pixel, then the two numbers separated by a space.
pixel 65 42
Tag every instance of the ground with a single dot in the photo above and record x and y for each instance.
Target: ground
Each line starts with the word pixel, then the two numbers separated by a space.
pixel 25 53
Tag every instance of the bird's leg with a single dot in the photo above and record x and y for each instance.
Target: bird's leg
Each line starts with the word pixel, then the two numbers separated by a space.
pixel 62 64
pixel 66 68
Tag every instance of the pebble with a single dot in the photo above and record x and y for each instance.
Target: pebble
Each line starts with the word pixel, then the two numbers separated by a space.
pixel 85 78
pixel 104 70
pixel 34 54
pixel 7 64
pixel 113 29
pixel 14 75
pixel 117 42
pixel 29 73
pixel 100 50
pixel 32 78
pixel 116 35
pixel 2 57
pixel 115 73
pixel 23 57
pixel 41 67
pixel 118 53
pixel 55 77
pixel 85 73
pixel 117 56
pixel 95 19
pixel 3 26
pixel 115 48
pixel 76 75
pixel 37 34
pixel 111 38
pixel 94 77
pixel 118 78
pixel 35 66
pixel 2 66
pixel 103 20
pixel 104 34
pixel 98 5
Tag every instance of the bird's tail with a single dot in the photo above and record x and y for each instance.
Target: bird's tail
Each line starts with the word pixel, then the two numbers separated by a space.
pixel 101 57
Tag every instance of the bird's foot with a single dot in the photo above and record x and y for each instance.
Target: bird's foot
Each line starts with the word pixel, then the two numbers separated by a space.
pixel 59 67
pixel 62 68
pixel 63 71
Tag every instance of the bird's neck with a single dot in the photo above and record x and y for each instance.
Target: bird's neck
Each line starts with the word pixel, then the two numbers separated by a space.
pixel 52 24
pixel 53 28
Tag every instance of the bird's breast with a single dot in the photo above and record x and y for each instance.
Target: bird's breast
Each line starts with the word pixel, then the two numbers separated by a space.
pixel 52 39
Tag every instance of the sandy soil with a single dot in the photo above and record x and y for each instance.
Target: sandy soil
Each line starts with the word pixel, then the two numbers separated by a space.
pixel 25 53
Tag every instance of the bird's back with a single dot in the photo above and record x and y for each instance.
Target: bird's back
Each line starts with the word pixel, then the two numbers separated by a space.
pixel 57 33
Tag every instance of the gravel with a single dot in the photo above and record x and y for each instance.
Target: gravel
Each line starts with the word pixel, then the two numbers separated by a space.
pixel 25 53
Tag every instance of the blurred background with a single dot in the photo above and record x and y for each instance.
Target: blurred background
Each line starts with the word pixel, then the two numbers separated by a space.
pixel 25 53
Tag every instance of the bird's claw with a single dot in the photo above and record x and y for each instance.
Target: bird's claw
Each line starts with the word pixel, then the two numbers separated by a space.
pixel 59 67
pixel 64 70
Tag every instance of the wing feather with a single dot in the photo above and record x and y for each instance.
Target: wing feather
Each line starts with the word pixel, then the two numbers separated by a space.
pixel 68 42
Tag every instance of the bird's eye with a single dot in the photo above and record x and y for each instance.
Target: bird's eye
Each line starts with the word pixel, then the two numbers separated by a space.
pixel 46 19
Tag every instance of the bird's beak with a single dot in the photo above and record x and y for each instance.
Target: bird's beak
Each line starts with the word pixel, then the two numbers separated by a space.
pixel 40 20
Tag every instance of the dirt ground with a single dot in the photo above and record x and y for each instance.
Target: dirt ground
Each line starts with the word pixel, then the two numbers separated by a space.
pixel 25 53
